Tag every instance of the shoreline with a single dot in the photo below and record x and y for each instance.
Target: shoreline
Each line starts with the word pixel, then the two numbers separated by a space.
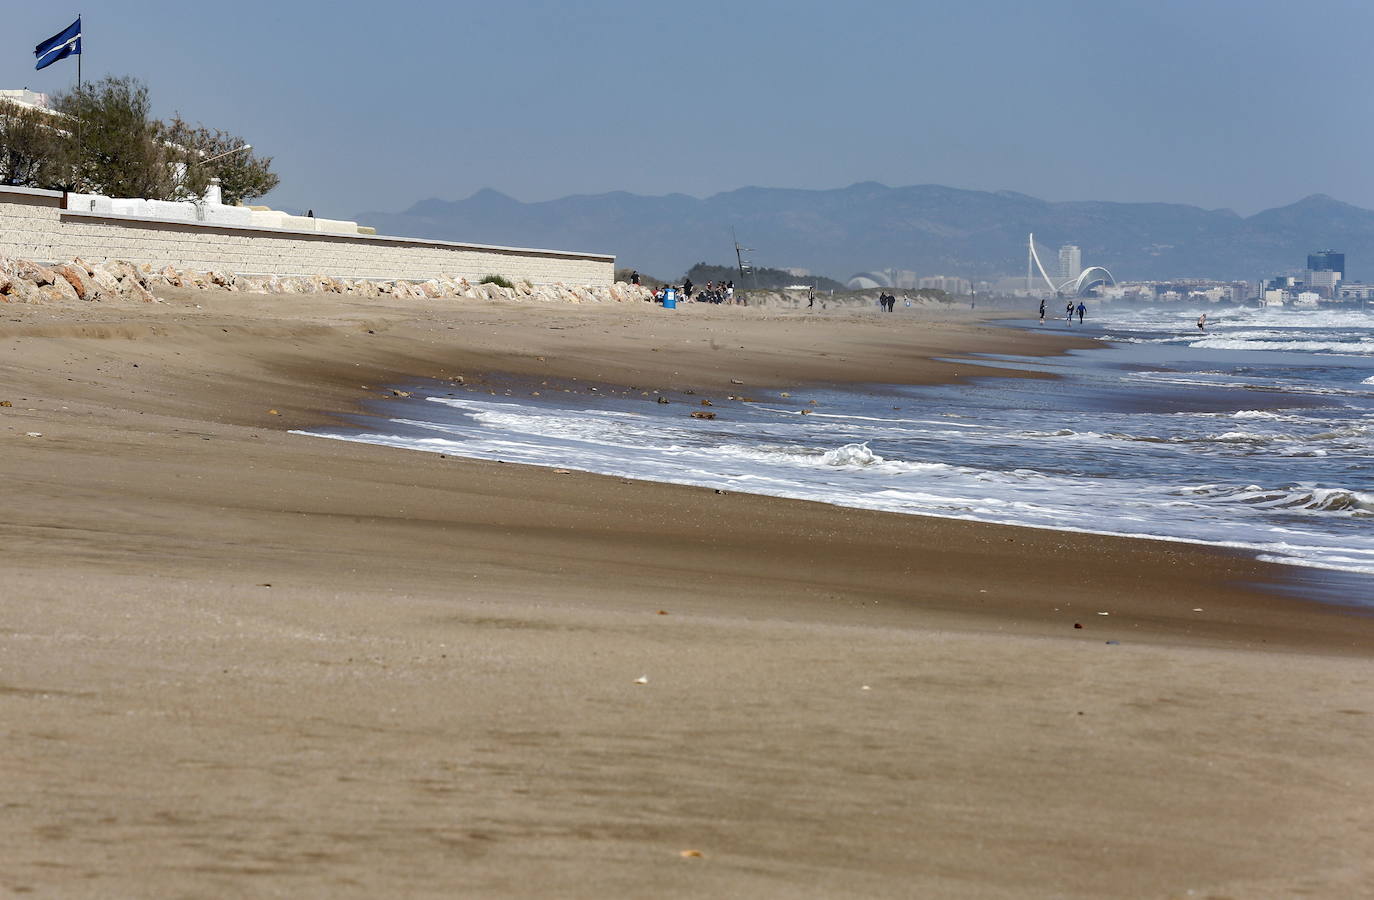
pixel 1334 588
pixel 255 662
pixel 1310 583
pixel 310 386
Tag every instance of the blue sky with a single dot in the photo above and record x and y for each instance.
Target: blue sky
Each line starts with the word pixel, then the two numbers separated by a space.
pixel 373 106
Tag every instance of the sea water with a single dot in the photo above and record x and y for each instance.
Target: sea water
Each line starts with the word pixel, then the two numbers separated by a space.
pixel 1255 433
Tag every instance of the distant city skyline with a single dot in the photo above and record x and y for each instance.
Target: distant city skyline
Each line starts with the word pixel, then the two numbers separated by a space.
pixel 366 109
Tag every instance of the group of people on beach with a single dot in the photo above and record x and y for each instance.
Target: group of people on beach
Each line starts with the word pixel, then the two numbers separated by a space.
pixel 887 301
pixel 712 293
pixel 1069 310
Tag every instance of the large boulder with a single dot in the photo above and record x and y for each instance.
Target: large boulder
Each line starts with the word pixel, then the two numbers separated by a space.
pixel 79 279
pixel 58 292
pixel 21 290
pixel 36 272
pixel 126 271
pixel 106 282
pixel 136 291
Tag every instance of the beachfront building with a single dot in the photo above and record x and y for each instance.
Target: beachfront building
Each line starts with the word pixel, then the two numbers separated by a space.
pixel 1324 282
pixel 1188 290
pixel 950 284
pixel 1355 292
pixel 27 98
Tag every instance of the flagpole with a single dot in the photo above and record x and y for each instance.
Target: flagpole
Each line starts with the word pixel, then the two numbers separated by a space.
pixel 80 138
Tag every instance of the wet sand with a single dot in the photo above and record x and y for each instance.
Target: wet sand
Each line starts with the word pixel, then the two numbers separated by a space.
pixel 236 661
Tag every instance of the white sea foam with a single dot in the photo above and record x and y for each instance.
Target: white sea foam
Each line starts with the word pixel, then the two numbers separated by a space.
pixel 1286 483
pixel 1339 347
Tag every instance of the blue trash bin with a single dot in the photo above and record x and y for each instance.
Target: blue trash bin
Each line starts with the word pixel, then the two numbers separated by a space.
pixel 670 299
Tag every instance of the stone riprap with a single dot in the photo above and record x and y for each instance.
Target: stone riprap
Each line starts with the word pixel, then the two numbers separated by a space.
pixel 26 281
pixel 39 225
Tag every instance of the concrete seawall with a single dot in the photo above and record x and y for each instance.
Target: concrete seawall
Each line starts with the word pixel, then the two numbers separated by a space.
pixel 35 225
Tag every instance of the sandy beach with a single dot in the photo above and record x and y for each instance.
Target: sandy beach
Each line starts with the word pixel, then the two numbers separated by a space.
pixel 236 661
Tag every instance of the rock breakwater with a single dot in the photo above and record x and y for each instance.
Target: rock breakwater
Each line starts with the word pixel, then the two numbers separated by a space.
pixel 79 281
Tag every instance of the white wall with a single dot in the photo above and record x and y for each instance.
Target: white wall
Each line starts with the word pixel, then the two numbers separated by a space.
pixel 33 225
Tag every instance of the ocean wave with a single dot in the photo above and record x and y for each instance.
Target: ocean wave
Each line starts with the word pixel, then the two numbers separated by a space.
pixel 1161 318
pixel 1236 437
pixel 851 455
pixel 1347 348
pixel 1295 498
pixel 1061 432
pixel 1128 339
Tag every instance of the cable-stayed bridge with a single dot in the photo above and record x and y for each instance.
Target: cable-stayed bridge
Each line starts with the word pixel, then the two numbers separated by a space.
pixel 1076 286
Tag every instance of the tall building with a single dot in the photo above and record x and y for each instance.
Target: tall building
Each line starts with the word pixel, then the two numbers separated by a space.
pixel 1070 261
pixel 1324 281
pixel 1326 261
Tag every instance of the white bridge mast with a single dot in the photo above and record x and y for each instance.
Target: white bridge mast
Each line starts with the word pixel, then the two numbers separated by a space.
pixel 1033 257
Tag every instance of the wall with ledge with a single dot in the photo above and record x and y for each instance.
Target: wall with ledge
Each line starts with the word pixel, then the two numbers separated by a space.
pixel 35 225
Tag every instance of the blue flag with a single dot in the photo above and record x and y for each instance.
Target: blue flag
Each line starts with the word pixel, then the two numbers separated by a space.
pixel 60 46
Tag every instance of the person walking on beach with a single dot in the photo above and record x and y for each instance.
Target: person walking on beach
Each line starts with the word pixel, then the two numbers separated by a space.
pixel 1042 310
pixel 1068 313
pixel 687 289
pixel 1081 310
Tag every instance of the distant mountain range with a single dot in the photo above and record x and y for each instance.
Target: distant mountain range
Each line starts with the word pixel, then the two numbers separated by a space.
pixel 931 229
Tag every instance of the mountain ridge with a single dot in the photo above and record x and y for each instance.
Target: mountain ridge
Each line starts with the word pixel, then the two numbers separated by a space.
pixel 932 229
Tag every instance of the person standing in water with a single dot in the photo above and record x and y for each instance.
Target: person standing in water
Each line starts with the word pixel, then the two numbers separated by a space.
pixel 1081 310
pixel 1202 322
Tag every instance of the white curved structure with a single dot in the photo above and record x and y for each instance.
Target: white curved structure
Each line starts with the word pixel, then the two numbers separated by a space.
pixel 1088 279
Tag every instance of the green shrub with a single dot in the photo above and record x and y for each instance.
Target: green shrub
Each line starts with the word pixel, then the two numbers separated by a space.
pixel 498 280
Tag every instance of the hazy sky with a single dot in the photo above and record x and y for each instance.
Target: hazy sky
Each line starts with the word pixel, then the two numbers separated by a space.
pixel 374 105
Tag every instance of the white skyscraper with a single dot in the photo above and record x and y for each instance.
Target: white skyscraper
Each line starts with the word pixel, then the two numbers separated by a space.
pixel 1070 261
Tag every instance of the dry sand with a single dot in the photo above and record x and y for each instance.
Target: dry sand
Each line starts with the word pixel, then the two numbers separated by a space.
pixel 240 662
